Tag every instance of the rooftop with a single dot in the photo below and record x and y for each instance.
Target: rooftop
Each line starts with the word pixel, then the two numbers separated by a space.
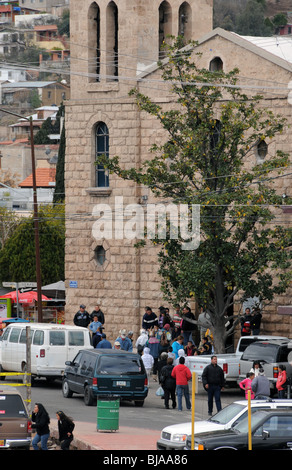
pixel 45 178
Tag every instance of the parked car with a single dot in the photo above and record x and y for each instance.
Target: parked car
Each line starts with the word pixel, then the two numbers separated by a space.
pixel 229 362
pixel 270 430
pixel 51 346
pixel 271 354
pixel 106 372
pixel 174 437
pixel 15 424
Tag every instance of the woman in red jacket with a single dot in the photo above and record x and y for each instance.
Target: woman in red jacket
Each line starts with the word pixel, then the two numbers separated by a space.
pixel 281 381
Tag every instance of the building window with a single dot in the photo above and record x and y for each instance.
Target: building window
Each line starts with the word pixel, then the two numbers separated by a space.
pixel 165 29
pixel 112 41
pixel 216 65
pixel 100 255
pixel 185 21
pixel 102 148
pixel 94 42
pixel 261 151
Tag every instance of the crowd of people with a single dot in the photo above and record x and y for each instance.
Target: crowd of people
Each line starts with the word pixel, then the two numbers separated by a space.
pixel 257 384
pixel 165 341
pixel 161 332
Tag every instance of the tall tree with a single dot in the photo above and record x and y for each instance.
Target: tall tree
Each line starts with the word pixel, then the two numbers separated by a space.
pixel 17 256
pixel 211 131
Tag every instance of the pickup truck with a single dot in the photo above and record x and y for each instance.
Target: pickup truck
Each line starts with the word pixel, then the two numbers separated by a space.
pixel 228 362
pixel 270 354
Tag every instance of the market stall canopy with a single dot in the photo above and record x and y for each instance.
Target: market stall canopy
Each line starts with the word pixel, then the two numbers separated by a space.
pixel 24 297
pixel 55 291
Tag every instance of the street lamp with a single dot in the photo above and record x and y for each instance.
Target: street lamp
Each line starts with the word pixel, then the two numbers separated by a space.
pixel 36 219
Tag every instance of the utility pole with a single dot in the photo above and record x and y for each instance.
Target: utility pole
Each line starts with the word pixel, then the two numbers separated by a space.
pixel 35 216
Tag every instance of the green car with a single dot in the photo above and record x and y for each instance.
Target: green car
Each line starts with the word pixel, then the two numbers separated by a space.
pixel 106 372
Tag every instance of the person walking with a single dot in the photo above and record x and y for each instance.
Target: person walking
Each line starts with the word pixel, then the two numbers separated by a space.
pixel 148 362
pixel 82 318
pixel 213 382
pixel 261 385
pixel 182 375
pixel 168 383
pixel 65 428
pixel 40 422
pixel 281 383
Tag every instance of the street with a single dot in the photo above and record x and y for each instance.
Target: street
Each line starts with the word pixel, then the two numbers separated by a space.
pixel 151 416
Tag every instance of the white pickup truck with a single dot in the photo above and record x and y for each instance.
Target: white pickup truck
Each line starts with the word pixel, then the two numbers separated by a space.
pixel 228 362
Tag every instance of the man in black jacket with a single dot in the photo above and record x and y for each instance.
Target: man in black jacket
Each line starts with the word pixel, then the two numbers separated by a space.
pixel 82 317
pixel 213 382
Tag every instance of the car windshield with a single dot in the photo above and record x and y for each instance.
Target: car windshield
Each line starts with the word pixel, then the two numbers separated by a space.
pixel 119 365
pixel 227 413
pixel 242 427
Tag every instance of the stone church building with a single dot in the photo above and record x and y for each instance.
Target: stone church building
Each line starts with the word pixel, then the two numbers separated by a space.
pixel 115 46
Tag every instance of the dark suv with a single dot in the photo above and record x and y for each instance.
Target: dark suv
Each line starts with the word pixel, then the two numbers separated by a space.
pixel 106 372
pixel 15 424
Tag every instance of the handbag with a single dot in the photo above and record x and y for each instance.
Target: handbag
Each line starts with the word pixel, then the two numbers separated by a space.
pixel 159 392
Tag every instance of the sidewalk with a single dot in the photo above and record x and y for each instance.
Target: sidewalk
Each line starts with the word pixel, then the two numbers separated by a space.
pixel 86 437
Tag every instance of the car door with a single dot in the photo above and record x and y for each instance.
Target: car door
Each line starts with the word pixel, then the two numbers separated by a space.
pixel 73 373
pixel 275 433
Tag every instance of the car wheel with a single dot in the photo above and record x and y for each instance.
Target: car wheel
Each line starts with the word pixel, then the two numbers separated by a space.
pixel 88 397
pixel 139 402
pixel 67 392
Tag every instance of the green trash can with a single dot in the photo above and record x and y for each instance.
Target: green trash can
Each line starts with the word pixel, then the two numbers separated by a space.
pixel 108 413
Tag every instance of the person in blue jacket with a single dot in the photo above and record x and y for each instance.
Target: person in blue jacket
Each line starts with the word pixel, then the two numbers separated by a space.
pixel 125 342
pixel 104 343
pixel 177 345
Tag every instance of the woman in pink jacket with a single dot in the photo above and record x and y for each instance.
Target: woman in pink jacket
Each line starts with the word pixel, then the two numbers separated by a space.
pixel 281 381
pixel 245 384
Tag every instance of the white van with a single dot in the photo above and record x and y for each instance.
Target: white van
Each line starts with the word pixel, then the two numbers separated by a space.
pixel 51 346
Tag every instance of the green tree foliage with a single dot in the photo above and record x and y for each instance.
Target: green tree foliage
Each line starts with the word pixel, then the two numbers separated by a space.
pixel 17 256
pixel 211 132
pixel 42 136
pixel 64 24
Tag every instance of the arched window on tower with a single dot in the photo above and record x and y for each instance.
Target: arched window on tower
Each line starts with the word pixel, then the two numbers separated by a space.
pixel 216 65
pixel 185 21
pixel 165 29
pixel 94 42
pixel 112 41
pixel 101 148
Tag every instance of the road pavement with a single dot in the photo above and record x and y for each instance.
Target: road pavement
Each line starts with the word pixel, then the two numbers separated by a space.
pixel 88 437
